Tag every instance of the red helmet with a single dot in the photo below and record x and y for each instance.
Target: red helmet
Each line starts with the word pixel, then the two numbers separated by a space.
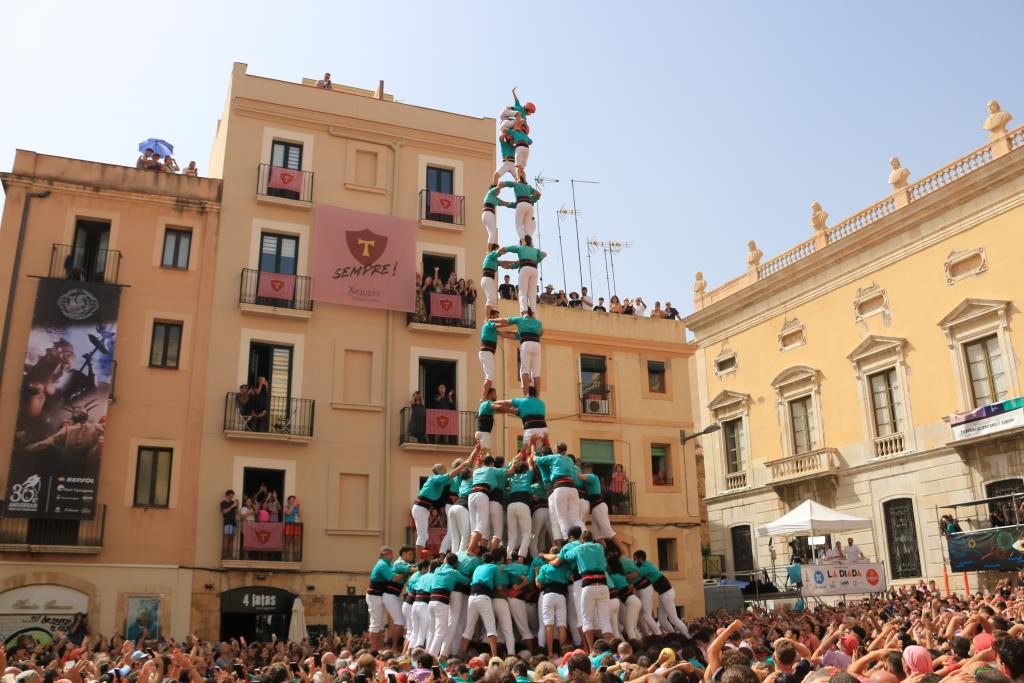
pixel 530 107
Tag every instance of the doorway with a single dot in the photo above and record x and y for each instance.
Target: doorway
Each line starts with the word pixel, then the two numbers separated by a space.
pixel 433 373
pixel 88 258
pixel 742 549
pixel 439 180
pixel 260 482
pixel 444 266
pixel 256 612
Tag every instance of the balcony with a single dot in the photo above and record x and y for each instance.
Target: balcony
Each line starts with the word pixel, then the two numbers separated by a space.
pixel 67 536
pixel 892 444
pixel 449 315
pixel 622 504
pixel 447 213
pixel 436 430
pixel 275 294
pixel 284 186
pixel 286 419
pixel 596 400
pixel 275 545
pixel 735 481
pixel 69 262
pixel 822 462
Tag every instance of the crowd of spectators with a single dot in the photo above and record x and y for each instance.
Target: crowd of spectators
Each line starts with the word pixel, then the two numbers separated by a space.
pixel 153 161
pixel 910 634
pixel 584 301
pixel 464 288
pixel 443 398
pixel 264 506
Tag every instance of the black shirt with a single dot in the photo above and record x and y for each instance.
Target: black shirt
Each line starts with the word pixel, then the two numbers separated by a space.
pixel 600 308
pixel 230 515
pixel 506 290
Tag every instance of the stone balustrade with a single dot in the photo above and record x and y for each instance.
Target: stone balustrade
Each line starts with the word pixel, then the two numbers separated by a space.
pixel 735 481
pixel 821 461
pixel 891 444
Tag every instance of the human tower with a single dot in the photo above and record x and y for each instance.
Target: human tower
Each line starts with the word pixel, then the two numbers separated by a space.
pixel 518 560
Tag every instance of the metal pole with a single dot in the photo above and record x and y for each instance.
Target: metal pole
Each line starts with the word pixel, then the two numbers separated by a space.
pixel 576 220
pixel 607 274
pixel 561 252
pixel 29 196
pixel 590 271
pixel 536 215
pixel 611 255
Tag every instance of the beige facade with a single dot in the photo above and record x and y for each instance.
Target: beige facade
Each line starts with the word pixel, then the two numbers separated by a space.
pixel 356 466
pixel 833 367
pixel 135 547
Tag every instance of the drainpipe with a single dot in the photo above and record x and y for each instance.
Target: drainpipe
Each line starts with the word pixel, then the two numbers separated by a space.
pixel 29 196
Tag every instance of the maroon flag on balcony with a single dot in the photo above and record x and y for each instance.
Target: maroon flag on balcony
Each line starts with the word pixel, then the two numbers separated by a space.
pixel 442 422
pixel 263 536
pixel 444 203
pixel 276 286
pixel 445 305
pixel 285 179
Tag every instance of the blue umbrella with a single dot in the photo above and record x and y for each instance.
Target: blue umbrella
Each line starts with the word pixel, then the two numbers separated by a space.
pixel 161 147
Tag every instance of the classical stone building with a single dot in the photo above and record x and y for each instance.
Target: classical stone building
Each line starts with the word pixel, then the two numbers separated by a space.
pixel 833 368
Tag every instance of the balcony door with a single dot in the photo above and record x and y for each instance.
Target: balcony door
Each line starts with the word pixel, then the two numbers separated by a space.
pixel 742 549
pixel 593 376
pixel 274 362
pixel 278 254
pixel 439 180
pixel 285 155
pixel 88 258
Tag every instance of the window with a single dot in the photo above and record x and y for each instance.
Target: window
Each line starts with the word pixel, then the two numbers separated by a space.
pixel 885 403
pixel 177 243
pixel 742 549
pixel 901 536
pixel 801 417
pixel 166 345
pixel 439 180
pixel 735 455
pixel 153 477
pixel 986 371
pixel 279 253
pixel 593 374
pixel 350 614
pixel 656 376
pixel 661 466
pixel 600 455
pixel 285 155
pixel 667 560
pixel 725 364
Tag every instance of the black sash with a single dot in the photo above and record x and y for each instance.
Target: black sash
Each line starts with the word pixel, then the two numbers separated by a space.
pixel 642 583
pixel 489 273
pixel 662 585
pixel 480 488
pixel 593 578
pixel 529 336
pixel 440 595
pixel 533 422
pixel 377 588
pixel 564 482
pixel 480 589
pixel 490 208
pixel 595 499
pixel 487 345
pixel 424 502
pixel 484 423
pixel 520 497
pixel 393 588
pixel 524 262
pixel 624 593
pixel 554 587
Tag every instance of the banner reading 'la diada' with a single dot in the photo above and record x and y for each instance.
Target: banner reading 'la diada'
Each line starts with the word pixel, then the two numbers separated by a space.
pixel 364 259
pixel 62 410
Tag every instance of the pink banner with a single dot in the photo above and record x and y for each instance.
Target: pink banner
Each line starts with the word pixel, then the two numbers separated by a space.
pixel 447 204
pixel 263 536
pixel 445 305
pixel 276 286
pixel 364 259
pixel 285 179
pixel 442 422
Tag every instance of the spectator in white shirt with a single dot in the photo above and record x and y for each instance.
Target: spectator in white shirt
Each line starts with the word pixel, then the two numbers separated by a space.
pixel 586 299
pixel 640 307
pixel 853 553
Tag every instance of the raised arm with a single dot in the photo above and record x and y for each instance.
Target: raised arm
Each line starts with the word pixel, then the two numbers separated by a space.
pixel 715 649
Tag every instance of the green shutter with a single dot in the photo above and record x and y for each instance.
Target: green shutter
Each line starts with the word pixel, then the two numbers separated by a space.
pixel 597 452
pixel 659 451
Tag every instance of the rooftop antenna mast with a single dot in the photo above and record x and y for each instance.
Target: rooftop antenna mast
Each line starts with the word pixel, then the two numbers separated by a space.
pixel 575 215
pixel 539 182
pixel 610 249
pixel 562 213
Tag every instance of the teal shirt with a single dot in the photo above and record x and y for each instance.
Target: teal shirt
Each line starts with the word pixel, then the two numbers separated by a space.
pixel 528 405
pixel 559 465
pixel 446 578
pixel 381 571
pixel 549 573
pixel 467 563
pixel 591 484
pixel 528 325
pixel 414 581
pixel 649 571
pixel 486 408
pixel 486 475
pixel 519 136
pixel 465 485
pixel 434 486
pixel 487 575
pixel 568 552
pixel 508 150
pixel 629 566
pixel 512 574
pixel 525 252
pixel 425 583
pixel 519 108
pixel 539 490
pixel 521 190
pixel 502 480
pixel 492 198
pixel 618 580
pixel 589 557
pixel 521 483
pixel 489 332
pixel 402 569
pixel 453 486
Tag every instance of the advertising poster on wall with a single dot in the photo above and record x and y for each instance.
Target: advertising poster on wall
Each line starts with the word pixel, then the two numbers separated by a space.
pixel 62 409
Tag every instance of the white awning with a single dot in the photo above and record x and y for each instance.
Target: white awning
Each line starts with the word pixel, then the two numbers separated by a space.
pixel 810 518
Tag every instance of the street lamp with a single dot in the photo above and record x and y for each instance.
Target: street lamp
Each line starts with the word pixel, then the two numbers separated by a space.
pixel 710 429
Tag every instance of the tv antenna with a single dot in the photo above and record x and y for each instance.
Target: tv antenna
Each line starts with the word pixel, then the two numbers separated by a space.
pixel 539 181
pixel 610 249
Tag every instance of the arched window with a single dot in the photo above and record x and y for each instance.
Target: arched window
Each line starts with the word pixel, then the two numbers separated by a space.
pixel 901 537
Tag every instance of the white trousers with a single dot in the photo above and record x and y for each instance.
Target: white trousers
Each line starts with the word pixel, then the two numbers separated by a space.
pixel 490 221
pixel 520 527
pixel 612 625
pixel 540 434
pixel 525 224
pixel 497 515
pixel 375 606
pixel 667 617
pixel 421 516
pixel 503 622
pixel 393 604
pixel 529 359
pixel 563 506
pixel 647 621
pixel 600 525
pixel 521 618
pixel 490 287
pixel 574 607
pixel 540 540
pixel 594 606
pixel 506 167
pixel 456 612
pixel 522 155
pixel 421 624
pixel 407 617
pixel 446 542
pixel 552 611
pixel 439 612
pixel 458 527
pixel 527 288
pixel 479 514
pixel 629 617
pixel 486 439
pixel 480 608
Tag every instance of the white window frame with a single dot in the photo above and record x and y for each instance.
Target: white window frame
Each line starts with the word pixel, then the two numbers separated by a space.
pixel 971 320
pixel 731 405
pixel 873 355
pixel 792 384
pixel 788 327
pixel 724 356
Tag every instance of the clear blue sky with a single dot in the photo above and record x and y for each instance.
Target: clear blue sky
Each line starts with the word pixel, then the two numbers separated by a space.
pixel 707 123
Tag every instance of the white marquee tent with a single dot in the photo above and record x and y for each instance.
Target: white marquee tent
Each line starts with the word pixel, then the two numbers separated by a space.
pixel 810 518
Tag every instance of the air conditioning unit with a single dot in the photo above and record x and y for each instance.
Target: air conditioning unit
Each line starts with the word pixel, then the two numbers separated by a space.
pixel 597 407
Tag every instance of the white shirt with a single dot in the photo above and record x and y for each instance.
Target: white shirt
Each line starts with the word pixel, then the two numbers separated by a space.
pixel 640 309
pixel 588 302
pixel 853 553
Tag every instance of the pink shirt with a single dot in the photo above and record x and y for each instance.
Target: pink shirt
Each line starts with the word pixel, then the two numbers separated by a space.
pixel 263 516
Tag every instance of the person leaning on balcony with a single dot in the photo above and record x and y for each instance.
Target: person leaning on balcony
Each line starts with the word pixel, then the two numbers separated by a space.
pixel 640 308
pixel 656 312
pixel 670 312
pixel 260 405
pixel 246 515
pixel 549 297
pixel 292 528
pixel 324 83
pixel 145 161
pixel 417 418
pixel 617 485
pixel 600 307
pixel 627 307
pixel 229 510
pixel 191 170
pixel 170 165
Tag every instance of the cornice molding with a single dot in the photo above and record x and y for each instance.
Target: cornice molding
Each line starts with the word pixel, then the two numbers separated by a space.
pixel 175 201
